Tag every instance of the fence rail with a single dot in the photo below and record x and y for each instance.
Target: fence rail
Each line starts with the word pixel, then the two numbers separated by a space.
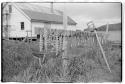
pixel 54 37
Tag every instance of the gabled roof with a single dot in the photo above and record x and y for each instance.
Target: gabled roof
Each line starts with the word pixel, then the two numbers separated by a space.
pixel 43 14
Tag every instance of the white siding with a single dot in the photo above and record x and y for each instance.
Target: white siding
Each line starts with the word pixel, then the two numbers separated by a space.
pixel 71 27
pixel 15 18
pixel 34 25
pixel 60 26
pixel 53 26
pixel 56 26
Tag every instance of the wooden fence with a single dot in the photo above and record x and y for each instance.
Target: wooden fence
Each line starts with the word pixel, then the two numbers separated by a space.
pixel 55 38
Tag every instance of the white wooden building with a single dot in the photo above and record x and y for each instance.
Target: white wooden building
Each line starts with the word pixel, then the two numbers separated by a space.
pixel 26 17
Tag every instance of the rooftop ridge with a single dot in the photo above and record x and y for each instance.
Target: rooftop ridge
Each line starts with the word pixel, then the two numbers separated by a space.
pixel 37 8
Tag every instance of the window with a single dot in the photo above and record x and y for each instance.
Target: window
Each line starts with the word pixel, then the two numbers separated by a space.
pixel 22 25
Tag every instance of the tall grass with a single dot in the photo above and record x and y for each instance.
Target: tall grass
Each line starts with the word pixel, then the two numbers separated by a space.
pixel 15 59
pixel 20 65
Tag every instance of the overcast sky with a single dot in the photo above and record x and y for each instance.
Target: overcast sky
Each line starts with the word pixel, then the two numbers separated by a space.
pixel 100 13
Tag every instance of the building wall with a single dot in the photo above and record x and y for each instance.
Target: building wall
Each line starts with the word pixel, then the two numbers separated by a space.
pixel 14 20
pixel 60 26
pixel 36 25
pixel 51 26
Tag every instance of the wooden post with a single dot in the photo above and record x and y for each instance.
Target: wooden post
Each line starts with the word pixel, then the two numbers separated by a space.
pixel 41 41
pixel 57 40
pixel 61 41
pixel 107 28
pixel 27 37
pixel 91 23
pixel 64 45
pixel 106 33
pixel 45 38
pixel 31 32
pixel 102 51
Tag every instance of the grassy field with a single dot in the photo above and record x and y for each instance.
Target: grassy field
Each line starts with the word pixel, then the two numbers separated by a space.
pixel 84 64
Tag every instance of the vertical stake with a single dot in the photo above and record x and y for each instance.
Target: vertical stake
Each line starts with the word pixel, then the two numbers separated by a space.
pixel 106 32
pixel 56 42
pixel 91 23
pixel 102 51
pixel 45 37
pixel 41 42
pixel 64 45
